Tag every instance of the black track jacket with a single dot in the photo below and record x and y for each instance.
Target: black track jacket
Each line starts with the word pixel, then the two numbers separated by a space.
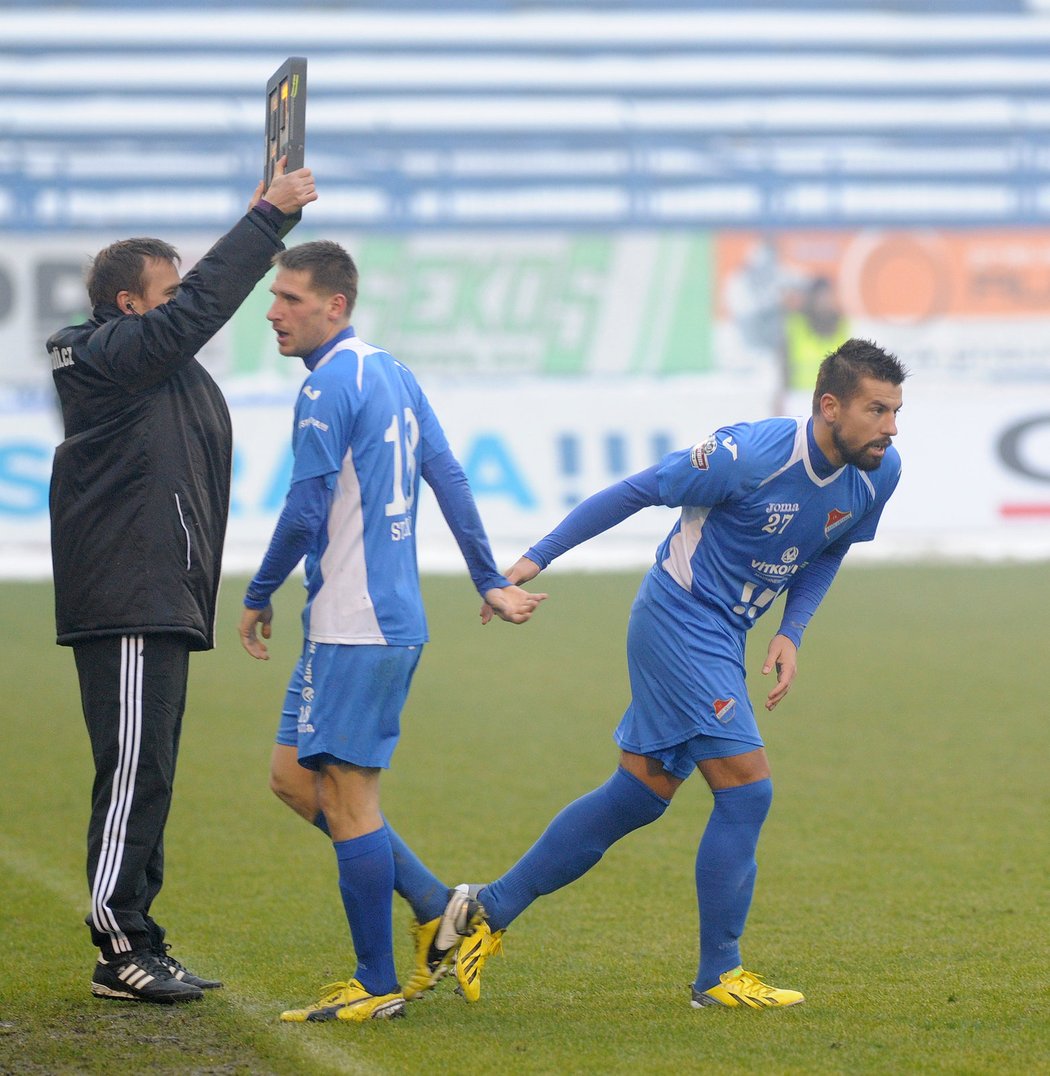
pixel 140 488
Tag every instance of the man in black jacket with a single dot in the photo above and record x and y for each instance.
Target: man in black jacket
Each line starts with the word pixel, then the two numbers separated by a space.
pixel 140 491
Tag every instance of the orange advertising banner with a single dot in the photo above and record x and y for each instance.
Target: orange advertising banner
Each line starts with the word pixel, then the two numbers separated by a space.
pixel 902 277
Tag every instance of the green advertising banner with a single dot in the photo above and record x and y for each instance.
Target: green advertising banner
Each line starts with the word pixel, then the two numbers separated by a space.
pixel 558 305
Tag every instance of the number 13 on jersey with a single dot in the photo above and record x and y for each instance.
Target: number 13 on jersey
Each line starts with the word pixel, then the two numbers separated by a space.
pixel 404 443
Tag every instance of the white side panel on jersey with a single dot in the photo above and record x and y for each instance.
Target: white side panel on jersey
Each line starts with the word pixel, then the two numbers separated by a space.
pixel 343 612
pixel 678 563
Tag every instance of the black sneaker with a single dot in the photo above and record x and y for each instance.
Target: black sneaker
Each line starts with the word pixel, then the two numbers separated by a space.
pixel 140 977
pixel 181 972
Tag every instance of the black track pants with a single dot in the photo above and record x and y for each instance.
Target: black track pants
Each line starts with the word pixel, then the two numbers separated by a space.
pixel 133 690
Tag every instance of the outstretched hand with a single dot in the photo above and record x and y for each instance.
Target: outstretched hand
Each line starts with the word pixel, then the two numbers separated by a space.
pixel 511 604
pixel 251 619
pixel 512 599
pixel 782 655
pixel 288 192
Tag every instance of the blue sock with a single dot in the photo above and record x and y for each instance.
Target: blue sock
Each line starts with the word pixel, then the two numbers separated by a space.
pixel 366 882
pixel 574 841
pixel 725 875
pixel 415 881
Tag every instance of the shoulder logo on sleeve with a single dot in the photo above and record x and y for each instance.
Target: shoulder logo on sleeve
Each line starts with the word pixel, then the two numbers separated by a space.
pixel 836 517
pixel 731 445
pixel 61 356
pixel 311 394
pixel 702 452
pixel 724 710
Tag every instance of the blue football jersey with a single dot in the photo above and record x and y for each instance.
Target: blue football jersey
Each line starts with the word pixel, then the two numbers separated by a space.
pixel 363 422
pixel 759 501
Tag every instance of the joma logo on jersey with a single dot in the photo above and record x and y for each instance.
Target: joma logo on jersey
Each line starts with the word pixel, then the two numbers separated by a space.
pixel 311 394
pixel 836 518
pixel 724 709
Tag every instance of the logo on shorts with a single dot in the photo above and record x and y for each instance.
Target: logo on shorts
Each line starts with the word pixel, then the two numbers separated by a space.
pixel 724 710
pixel 304 720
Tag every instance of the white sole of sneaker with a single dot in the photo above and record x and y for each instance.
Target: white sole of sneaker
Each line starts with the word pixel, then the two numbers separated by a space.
pixel 101 991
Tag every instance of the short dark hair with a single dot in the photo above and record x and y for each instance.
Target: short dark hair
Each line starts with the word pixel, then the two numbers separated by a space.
pixel 121 266
pixel 332 270
pixel 841 371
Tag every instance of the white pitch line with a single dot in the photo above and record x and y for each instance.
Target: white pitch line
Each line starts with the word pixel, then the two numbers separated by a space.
pixel 315 1054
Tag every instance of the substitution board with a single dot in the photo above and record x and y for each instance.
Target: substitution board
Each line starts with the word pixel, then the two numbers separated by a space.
pixel 286 120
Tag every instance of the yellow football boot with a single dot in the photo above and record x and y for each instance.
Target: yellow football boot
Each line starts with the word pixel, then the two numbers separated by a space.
pixel 471 958
pixel 739 987
pixel 436 942
pixel 348 1001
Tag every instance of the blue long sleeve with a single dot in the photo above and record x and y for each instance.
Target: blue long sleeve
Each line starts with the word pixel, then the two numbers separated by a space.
pixel 304 515
pixel 808 590
pixel 598 513
pixel 445 477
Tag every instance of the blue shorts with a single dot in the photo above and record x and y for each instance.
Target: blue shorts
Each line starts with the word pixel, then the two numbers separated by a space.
pixel 681 759
pixel 344 703
pixel 687 681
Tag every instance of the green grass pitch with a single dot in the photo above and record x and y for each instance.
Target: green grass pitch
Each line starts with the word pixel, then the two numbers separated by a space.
pixel 903 873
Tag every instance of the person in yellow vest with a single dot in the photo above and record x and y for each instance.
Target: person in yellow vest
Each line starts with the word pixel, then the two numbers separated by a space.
pixel 812 332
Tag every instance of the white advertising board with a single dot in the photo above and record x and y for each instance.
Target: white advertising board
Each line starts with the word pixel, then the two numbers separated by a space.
pixel 976 479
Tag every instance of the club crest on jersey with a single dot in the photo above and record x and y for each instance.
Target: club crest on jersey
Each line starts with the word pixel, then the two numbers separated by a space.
pixel 724 710
pixel 836 518
pixel 701 453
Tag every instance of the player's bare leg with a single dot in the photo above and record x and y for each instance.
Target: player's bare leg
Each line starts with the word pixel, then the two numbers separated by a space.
pixel 293 784
pixel 735 770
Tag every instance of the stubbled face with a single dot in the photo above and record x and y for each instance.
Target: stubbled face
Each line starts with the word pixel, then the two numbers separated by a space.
pixel 160 281
pixel 302 319
pixel 863 427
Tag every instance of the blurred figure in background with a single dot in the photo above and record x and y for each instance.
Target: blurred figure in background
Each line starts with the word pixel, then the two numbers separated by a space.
pixel 813 328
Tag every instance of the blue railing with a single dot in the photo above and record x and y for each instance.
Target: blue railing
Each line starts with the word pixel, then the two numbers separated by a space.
pixel 507 115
